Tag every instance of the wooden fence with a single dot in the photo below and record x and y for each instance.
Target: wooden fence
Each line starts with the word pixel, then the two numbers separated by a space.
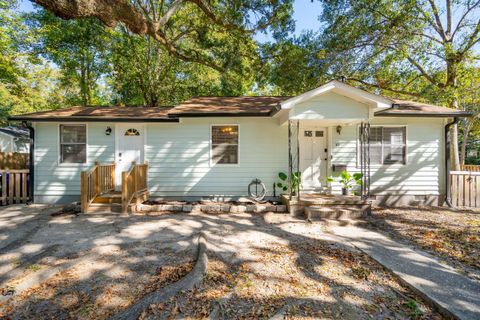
pixel 470 167
pixel 465 188
pixel 14 160
pixel 14 185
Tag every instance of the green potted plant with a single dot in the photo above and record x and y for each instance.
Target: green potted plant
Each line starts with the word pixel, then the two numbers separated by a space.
pixel 283 184
pixel 349 180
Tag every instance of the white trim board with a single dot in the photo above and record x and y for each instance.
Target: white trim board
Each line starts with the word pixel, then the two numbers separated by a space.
pixel 349 91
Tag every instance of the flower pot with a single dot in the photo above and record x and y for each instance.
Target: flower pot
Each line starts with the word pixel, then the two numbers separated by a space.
pixel 345 191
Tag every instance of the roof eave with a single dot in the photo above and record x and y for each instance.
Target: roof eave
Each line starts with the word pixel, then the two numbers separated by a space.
pixel 92 119
pixel 219 114
pixel 425 114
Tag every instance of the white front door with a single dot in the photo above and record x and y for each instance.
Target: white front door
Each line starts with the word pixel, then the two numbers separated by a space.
pixel 130 147
pixel 313 157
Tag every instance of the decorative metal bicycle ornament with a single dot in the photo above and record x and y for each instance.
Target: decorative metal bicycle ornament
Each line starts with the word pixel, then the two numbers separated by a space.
pixel 257 190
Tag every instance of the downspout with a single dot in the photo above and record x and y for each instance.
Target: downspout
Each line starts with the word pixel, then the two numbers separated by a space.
pixel 31 160
pixel 448 196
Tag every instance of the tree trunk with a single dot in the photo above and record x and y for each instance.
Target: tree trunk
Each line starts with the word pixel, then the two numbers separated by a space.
pixel 83 83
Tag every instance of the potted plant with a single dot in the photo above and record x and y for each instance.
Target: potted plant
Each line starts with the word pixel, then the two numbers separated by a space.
pixel 349 180
pixel 296 181
pixel 328 185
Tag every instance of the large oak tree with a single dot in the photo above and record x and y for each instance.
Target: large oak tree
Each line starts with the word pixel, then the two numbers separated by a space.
pixel 183 27
pixel 419 48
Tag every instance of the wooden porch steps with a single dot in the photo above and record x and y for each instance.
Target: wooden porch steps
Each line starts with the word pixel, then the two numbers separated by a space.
pixel 98 188
pixel 112 202
pixel 109 198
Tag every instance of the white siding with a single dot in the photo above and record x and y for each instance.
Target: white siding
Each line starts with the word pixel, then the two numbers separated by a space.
pixel 330 106
pixel 421 175
pixel 179 157
pixel 56 180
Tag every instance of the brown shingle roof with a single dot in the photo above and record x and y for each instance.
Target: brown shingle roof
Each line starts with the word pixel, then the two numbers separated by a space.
pixel 406 108
pixel 155 114
pixel 225 106
pixel 217 106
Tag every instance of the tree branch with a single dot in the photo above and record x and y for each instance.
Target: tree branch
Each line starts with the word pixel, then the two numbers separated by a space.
pixel 464 16
pixel 438 21
pixel 378 86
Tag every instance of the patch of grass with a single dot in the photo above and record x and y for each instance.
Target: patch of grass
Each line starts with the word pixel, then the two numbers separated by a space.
pixel 415 311
pixel 33 267
pixel 360 272
pixel 16 262
pixel 85 310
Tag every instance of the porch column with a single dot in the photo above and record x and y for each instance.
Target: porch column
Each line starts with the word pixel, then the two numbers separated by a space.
pixel 298 160
pixel 290 160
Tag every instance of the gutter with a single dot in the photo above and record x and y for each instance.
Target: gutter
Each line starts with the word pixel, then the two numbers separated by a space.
pixel 31 160
pixel 92 119
pixel 448 196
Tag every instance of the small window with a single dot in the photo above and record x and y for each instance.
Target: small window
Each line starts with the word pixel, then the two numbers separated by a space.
pixel 319 133
pixel 132 132
pixel 387 145
pixel 73 143
pixel 225 144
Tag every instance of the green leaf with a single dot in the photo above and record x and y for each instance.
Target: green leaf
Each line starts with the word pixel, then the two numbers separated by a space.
pixel 282 176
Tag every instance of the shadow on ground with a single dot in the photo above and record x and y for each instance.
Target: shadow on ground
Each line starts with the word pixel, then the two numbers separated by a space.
pixel 261 264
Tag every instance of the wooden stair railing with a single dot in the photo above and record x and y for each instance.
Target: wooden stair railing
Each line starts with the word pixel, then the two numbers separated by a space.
pixel 134 183
pixel 96 181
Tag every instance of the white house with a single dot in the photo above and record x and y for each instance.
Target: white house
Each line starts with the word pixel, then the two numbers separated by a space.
pixel 14 139
pixel 213 147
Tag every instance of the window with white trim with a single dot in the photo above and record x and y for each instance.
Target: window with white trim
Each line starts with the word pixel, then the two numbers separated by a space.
pixel 224 144
pixel 387 145
pixel 73 143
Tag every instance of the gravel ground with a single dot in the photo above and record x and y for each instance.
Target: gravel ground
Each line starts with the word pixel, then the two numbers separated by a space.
pixel 305 280
pixel 260 264
pixel 451 235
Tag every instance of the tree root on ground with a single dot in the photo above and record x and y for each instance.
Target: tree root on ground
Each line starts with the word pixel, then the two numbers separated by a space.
pixel 190 281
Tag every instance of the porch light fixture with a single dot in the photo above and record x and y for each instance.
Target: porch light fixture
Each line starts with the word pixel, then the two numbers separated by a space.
pixel 108 131
pixel 339 129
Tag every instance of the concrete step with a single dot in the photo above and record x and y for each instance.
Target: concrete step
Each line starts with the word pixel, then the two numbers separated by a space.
pixel 312 200
pixel 336 212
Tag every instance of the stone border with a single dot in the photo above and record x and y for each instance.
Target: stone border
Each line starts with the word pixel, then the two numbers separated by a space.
pixel 211 208
pixel 191 280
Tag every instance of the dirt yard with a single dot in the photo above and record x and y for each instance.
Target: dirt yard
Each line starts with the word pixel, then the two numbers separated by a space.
pixel 93 266
pixel 452 235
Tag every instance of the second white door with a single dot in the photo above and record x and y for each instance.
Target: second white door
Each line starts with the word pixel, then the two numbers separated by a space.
pixel 313 157
pixel 130 147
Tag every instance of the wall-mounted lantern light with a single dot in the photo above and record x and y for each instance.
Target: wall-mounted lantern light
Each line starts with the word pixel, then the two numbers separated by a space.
pixel 108 131
pixel 339 129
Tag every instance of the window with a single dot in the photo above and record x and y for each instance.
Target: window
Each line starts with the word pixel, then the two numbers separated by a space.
pixel 225 144
pixel 73 143
pixel 387 145
pixel 132 132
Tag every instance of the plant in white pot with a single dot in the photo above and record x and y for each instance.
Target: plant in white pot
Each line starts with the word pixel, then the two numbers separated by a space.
pixel 349 181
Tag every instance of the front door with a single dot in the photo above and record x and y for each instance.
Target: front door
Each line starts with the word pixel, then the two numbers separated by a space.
pixel 313 157
pixel 130 147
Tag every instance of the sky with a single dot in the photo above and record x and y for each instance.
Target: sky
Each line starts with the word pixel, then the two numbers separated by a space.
pixel 305 15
